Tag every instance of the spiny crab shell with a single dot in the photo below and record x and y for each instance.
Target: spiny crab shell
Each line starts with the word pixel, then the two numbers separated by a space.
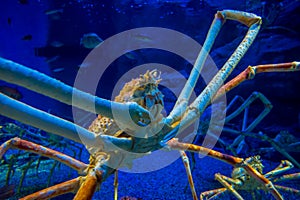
pixel 240 173
pixel 144 91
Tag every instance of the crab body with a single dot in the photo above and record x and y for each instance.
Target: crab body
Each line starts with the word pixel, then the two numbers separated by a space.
pixel 143 91
pixel 247 182
pixel 242 181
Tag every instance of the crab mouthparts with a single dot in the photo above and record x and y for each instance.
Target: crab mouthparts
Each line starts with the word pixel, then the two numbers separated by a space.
pixel 154 104
pixel 151 101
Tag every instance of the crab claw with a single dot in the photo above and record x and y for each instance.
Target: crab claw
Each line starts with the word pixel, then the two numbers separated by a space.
pixel 140 115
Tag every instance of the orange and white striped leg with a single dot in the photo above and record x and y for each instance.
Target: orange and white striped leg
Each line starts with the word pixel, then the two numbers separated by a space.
pixel 288 189
pixel 234 161
pixel 251 71
pixel 287 177
pixel 17 143
pixel 224 180
pixel 211 194
pixel 282 167
pixel 186 163
pixel 56 190
pixel 116 184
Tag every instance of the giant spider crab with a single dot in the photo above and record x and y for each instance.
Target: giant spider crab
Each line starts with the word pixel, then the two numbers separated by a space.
pixel 240 180
pixel 144 102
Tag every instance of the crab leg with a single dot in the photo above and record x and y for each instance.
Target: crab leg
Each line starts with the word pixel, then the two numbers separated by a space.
pixel 40 119
pixel 94 178
pixel 88 187
pixel 203 100
pixel 56 190
pixel 294 147
pixel 283 167
pixel 186 163
pixel 281 150
pixel 287 177
pixel 234 161
pixel 17 143
pixel 50 123
pixel 189 86
pixel 43 84
pixel 255 95
pixel 250 20
pixel 116 184
pixel 212 193
pixel 228 179
pixel 288 189
pixel 224 181
pixel 176 145
pixel 251 71
pixel 210 132
pixel 268 106
pixel 262 180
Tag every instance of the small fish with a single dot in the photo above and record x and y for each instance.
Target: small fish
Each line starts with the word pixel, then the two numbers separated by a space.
pixel 56 44
pixel 58 70
pixel 24 2
pixel 143 37
pixel 52 59
pixel 54 11
pixel 131 55
pixel 11 92
pixel 90 40
pixel 84 65
pixel 9 21
pixel 27 37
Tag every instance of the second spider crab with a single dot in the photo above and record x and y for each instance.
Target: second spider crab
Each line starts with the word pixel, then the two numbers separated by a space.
pixel 146 131
pixel 241 181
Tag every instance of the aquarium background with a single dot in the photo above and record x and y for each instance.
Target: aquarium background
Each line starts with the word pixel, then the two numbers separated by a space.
pixel 45 35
